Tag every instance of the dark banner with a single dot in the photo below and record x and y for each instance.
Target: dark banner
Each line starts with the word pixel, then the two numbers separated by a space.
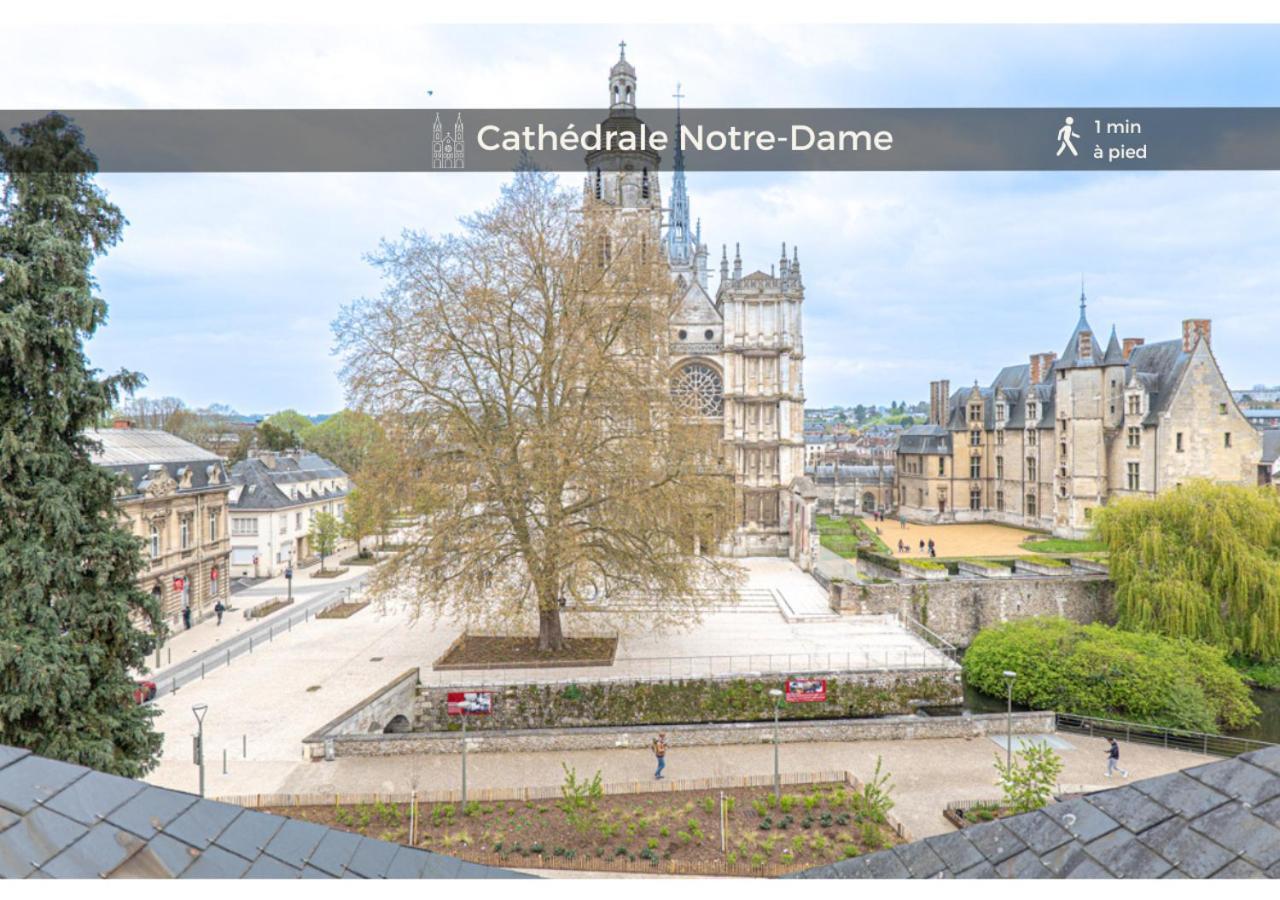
pixel 559 140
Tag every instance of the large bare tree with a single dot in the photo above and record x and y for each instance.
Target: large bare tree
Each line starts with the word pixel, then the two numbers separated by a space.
pixel 521 367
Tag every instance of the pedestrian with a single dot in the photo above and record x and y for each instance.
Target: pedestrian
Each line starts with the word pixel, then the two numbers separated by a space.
pixel 902 520
pixel 932 552
pixel 219 609
pixel 1113 760
pixel 922 546
pixel 660 751
pixel 186 616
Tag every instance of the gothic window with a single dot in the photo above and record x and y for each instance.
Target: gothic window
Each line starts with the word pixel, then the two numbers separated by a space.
pixel 1000 501
pixel 975 437
pixel 975 467
pixel 1031 468
pixel 1133 479
pixel 1135 436
pixel 697 388
pixel 999 467
pixel 1031 504
pixel 975 499
pixel 644 183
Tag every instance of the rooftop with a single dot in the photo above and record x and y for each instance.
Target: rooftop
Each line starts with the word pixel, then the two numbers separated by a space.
pixel 132 446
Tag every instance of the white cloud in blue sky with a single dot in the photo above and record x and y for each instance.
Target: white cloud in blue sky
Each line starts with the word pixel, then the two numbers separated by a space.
pixel 224 286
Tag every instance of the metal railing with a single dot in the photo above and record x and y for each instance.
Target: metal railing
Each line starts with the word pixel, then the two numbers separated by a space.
pixel 673 668
pixel 939 643
pixel 1169 738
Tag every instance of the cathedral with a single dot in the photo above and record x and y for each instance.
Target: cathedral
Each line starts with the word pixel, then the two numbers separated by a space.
pixel 736 352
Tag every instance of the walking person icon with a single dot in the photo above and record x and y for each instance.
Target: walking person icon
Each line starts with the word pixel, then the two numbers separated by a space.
pixel 1065 134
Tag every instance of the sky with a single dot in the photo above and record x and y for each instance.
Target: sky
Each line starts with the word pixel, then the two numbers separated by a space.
pixel 224 286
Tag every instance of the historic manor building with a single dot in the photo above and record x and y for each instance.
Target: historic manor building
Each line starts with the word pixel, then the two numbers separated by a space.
pixel 737 354
pixel 1051 440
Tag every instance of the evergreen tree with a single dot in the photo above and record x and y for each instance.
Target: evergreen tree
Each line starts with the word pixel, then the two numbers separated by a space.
pixel 68 600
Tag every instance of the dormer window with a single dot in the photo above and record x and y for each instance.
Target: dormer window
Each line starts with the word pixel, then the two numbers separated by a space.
pixel 1000 412
pixel 975 412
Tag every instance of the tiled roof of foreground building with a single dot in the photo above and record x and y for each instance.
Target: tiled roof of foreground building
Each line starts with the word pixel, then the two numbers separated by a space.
pixel 1220 820
pixel 64 821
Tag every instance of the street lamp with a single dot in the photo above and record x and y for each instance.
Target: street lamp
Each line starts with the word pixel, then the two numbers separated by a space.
pixel 1008 740
pixel 777 778
pixel 200 709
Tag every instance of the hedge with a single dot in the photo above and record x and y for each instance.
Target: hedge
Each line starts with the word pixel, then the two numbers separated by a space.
pixel 1097 670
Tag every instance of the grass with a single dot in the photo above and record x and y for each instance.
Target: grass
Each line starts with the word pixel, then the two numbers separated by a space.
pixel 1064 545
pixel 1051 561
pixel 1265 675
pixel 842 536
pixel 929 564
pixel 985 563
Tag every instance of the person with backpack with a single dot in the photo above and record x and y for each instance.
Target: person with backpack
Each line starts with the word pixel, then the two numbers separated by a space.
pixel 660 751
pixel 1113 760
pixel 219 609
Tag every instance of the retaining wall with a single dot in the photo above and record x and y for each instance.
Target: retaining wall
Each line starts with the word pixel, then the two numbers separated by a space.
pixel 373 713
pixel 893 728
pixel 959 608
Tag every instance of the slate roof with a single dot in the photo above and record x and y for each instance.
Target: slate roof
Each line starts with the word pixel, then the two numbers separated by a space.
pixel 264 487
pixel 933 439
pixel 140 454
pixel 1270 446
pixel 65 821
pixel 1219 820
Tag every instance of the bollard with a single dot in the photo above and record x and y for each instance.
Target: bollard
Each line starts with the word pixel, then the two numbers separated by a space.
pixel 224 760
pixel 244 746
pixel 170 656
pixel 202 671
pixel 173 687
pixel 228 657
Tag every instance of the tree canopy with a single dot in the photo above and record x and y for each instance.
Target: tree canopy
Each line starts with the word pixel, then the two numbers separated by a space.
pixel 345 439
pixel 1200 562
pixel 524 364
pixel 68 598
pixel 1097 670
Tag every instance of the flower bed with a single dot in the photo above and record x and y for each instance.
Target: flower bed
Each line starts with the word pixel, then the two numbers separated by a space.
pixel 676 831
pixel 329 573
pixel 266 608
pixel 963 813
pixel 984 568
pixel 1046 565
pixel 923 568
pixel 342 610
pixel 479 651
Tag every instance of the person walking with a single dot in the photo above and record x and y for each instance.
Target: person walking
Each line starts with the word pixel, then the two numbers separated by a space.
pixel 1113 760
pixel 660 751
pixel 219 609
pixel 186 617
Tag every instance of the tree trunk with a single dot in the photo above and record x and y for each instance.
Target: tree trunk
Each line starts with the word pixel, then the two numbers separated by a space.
pixel 550 637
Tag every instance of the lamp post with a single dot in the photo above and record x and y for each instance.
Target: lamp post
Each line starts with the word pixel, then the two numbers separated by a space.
pixel 200 709
pixel 777 778
pixel 1008 740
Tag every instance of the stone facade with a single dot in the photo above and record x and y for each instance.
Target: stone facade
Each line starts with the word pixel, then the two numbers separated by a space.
pixel 173 497
pixel 1050 441
pixel 958 609
pixel 736 359
pixel 897 728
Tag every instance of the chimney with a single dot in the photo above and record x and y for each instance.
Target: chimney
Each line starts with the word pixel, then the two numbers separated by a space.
pixel 121 423
pixel 1040 363
pixel 939 397
pixel 1192 331
pixel 1131 344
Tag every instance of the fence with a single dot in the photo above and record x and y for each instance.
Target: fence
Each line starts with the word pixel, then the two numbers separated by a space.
pixel 1169 738
pixel 939 643
pixel 892 657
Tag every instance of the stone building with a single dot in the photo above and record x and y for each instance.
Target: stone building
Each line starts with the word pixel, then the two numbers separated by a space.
pixel 736 352
pixel 174 496
pixel 275 498
pixel 1050 440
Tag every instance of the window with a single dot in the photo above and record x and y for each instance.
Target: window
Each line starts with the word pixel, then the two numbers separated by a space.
pixel 975 499
pixel 975 412
pixel 213 524
pixel 1000 467
pixel 1135 437
pixel 1222 409
pixel 1226 440
pixel 184 532
pixel 942 465
pixel 284 524
pixel 297 521
pixel 1000 412
pixel 975 437
pixel 244 526
pixel 1000 438
pixel 1000 501
pixel 1031 468
pixel 698 389
pixel 155 542
pixel 975 467
pixel 644 183
pixel 1032 413
pixel 1032 437
pixel 1062 449
pixel 1088 513
pixel 1178 442
pixel 1133 477
pixel 1135 404
pixel 1031 504
pixel 599 185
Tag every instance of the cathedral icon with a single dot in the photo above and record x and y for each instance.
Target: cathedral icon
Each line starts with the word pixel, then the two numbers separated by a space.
pixel 447 147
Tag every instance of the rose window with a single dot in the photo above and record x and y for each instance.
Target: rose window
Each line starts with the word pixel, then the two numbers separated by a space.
pixel 698 390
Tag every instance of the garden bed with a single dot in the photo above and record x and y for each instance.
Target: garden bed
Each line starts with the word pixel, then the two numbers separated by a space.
pixel 662 832
pixel 962 814
pixel 478 651
pixel 266 608
pixel 342 610
pixel 329 573
pixel 370 560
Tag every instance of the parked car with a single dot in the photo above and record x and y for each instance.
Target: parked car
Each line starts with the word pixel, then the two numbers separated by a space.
pixel 144 692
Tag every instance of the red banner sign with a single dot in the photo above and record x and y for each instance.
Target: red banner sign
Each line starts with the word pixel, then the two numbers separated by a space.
pixel 178 583
pixel 812 690
pixel 469 703
pixel 213 574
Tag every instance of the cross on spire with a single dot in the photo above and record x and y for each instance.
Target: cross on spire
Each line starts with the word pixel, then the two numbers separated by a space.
pixel 622 49
pixel 677 95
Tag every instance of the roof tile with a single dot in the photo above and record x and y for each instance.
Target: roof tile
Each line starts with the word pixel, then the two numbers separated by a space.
pixel 1040 832
pixel 88 800
pixel 201 824
pixel 1083 820
pixel 956 851
pixel 1121 854
pixel 1234 827
pixel 1132 809
pixel 217 863
pixel 31 780
pixel 151 810
pixel 1239 780
pixel 1186 796
pixel 994 841
pixel 920 859
pixel 37 838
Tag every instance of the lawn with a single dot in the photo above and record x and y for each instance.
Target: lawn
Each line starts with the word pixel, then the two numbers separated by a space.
pixel 678 830
pixel 1063 545
pixel 842 536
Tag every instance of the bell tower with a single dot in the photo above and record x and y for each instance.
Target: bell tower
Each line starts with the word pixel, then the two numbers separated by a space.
pixel 623 178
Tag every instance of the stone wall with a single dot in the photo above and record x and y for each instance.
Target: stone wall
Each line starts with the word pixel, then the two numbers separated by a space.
pixel 893 728
pixel 728 699
pixel 375 712
pixel 959 608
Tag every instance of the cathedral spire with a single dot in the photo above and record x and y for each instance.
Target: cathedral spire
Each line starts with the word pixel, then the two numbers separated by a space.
pixel 679 240
pixel 737 262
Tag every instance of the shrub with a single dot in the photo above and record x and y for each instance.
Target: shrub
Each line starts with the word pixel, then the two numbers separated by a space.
pixel 1029 779
pixel 709 805
pixel 1096 670
pixel 761 807
pixel 875 794
pixel 787 802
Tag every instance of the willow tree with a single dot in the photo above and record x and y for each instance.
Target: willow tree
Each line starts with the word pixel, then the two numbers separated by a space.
pixel 1200 562
pixel 524 364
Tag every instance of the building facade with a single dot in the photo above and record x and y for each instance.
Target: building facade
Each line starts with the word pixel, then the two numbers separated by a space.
pixel 737 352
pixel 1049 441
pixel 275 498
pixel 174 497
